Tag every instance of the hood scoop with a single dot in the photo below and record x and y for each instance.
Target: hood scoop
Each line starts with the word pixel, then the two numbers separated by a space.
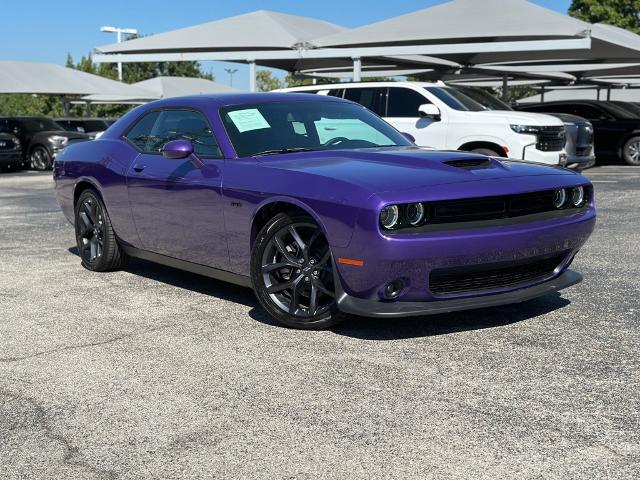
pixel 472 163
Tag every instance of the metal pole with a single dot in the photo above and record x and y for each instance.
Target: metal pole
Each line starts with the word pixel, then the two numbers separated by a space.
pixel 598 97
pixel 609 93
pixel 505 88
pixel 252 75
pixel 357 69
pixel 542 94
pixel 87 109
pixel 119 36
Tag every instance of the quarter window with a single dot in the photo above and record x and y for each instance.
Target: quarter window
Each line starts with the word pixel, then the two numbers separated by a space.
pixel 372 98
pixel 140 134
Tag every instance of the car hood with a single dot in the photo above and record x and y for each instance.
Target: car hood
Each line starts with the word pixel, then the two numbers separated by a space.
pixel 518 118
pixel 393 169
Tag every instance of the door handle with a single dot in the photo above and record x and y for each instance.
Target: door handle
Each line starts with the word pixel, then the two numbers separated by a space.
pixel 138 167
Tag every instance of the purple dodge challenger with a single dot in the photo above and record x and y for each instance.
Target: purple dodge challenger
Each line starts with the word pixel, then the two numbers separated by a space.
pixel 322 207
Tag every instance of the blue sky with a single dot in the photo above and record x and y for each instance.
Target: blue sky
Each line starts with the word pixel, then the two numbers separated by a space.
pixel 44 30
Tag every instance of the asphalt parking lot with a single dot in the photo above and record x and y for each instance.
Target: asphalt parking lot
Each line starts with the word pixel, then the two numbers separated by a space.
pixel 156 373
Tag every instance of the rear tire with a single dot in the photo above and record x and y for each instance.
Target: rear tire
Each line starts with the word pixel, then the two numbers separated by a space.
pixel 97 243
pixel 292 273
pixel 631 151
pixel 40 159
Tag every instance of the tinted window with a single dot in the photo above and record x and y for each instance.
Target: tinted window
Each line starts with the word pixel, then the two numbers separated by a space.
pixel 484 98
pixel 273 128
pixel 140 134
pixel 372 98
pixel 588 112
pixel 38 124
pixel 336 92
pixel 183 124
pixel 404 102
pixel 455 99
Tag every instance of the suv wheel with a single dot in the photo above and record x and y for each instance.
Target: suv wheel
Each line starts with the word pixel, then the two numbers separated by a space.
pixel 40 158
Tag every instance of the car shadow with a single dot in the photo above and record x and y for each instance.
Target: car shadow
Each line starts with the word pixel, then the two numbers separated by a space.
pixel 188 281
pixel 432 325
pixel 356 327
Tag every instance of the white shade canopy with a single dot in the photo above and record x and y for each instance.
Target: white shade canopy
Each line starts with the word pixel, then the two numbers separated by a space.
pixel 625 95
pixel 164 87
pixel 475 21
pixel 49 79
pixel 259 30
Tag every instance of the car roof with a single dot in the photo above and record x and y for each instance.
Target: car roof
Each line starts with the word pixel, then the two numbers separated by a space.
pixel 228 99
pixel 387 83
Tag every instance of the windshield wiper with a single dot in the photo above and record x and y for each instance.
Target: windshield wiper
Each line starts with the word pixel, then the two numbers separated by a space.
pixel 278 151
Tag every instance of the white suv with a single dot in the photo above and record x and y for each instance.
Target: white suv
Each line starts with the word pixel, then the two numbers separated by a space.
pixel 443 118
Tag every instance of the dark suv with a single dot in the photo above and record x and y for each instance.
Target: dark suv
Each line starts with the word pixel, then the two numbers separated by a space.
pixel 41 139
pixel 616 129
pixel 579 146
pixel 90 126
pixel 10 150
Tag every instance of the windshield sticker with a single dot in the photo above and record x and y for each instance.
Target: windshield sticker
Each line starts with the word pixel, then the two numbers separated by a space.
pixel 247 120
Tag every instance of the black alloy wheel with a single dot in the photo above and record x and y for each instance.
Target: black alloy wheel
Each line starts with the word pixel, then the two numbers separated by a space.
pixel 97 244
pixel 292 273
pixel 40 159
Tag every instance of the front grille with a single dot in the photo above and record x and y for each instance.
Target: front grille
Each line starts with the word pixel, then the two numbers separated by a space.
pixel 551 139
pixel 445 281
pixel 492 208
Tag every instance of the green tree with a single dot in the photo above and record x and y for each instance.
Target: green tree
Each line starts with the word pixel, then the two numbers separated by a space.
pixel 621 13
pixel 266 81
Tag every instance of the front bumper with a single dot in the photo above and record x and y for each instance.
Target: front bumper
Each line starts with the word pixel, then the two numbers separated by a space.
pixel 372 308
pixel 13 157
pixel 580 161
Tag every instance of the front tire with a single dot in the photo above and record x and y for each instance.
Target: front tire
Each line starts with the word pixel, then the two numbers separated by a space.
pixel 40 159
pixel 97 243
pixel 292 273
pixel 486 151
pixel 631 151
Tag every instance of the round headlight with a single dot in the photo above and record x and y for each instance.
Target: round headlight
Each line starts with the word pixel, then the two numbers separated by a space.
pixel 559 197
pixel 415 213
pixel 389 216
pixel 577 196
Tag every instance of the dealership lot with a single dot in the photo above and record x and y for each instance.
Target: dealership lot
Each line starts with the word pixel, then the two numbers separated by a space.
pixel 157 373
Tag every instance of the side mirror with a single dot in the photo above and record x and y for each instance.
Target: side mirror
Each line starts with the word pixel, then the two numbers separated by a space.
pixel 429 110
pixel 177 149
pixel 409 137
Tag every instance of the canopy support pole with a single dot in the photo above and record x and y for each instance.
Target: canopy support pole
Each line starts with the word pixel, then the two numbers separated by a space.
pixel 87 109
pixel 357 69
pixel 542 94
pixel 65 106
pixel 505 88
pixel 598 95
pixel 252 75
pixel 608 93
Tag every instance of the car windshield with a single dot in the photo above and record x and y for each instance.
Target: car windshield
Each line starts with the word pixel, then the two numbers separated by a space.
pixel 455 99
pixel 484 98
pixel 283 127
pixel 39 124
pixel 633 109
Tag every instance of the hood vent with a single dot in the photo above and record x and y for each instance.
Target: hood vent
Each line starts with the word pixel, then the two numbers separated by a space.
pixel 470 163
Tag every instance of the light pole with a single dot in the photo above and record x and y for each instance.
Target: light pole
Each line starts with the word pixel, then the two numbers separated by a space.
pixel 119 32
pixel 231 71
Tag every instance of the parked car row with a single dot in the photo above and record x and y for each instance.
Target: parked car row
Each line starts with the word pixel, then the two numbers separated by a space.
pixel 470 119
pixel 34 142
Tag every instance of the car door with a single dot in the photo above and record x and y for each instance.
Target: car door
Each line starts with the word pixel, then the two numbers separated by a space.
pixel 402 112
pixel 176 204
pixel 606 131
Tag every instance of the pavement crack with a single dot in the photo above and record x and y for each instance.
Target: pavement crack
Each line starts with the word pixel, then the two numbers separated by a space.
pixel 84 345
pixel 71 454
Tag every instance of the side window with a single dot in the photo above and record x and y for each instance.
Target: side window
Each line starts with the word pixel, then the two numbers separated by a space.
pixel 184 124
pixel 588 112
pixel 140 134
pixel 372 98
pixel 404 102
pixel 336 92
